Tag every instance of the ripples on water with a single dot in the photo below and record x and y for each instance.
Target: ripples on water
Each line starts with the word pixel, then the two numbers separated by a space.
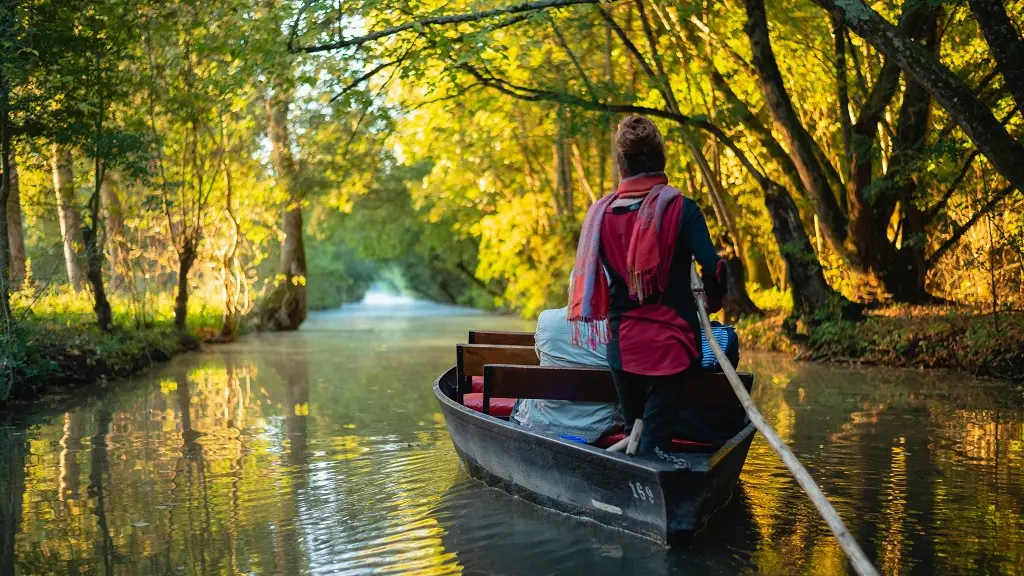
pixel 324 452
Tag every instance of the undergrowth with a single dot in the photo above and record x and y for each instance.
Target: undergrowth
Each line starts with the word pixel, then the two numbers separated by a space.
pixel 918 336
pixel 55 341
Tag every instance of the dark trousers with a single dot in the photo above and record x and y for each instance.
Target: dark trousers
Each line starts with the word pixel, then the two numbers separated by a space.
pixel 657 400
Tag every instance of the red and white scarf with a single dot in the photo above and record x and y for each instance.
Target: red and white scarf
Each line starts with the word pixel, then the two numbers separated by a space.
pixel 645 275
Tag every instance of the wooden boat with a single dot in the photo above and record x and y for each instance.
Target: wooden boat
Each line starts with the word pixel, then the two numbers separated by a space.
pixel 661 500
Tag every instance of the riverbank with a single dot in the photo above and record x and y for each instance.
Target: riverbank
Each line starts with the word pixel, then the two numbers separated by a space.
pixel 59 347
pixel 43 357
pixel 55 344
pixel 907 336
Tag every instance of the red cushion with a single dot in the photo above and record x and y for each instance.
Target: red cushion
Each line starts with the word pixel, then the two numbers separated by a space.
pixel 609 439
pixel 678 444
pixel 478 384
pixel 500 407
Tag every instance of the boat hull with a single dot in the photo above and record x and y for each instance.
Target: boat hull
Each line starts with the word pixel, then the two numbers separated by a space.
pixel 643 495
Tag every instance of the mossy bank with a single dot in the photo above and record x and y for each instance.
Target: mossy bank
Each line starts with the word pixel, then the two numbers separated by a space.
pixel 55 345
pixel 44 357
pixel 911 336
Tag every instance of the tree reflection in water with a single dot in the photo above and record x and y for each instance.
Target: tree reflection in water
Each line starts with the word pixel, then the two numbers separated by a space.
pixel 323 451
pixel 98 468
pixel 12 486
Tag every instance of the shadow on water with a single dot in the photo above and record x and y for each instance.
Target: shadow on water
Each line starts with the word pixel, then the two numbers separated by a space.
pixel 323 451
pixel 489 532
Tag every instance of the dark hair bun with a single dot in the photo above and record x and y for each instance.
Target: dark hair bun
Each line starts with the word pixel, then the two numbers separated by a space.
pixel 639 147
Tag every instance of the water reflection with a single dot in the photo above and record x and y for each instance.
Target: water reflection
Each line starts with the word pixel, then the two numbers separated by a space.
pixel 489 533
pixel 12 486
pixel 323 452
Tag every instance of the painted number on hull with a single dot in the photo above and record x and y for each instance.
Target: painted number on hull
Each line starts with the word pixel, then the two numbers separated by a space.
pixel 641 492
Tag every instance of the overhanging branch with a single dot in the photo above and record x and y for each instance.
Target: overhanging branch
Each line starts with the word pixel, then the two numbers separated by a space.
pixel 364 77
pixel 528 94
pixel 448 19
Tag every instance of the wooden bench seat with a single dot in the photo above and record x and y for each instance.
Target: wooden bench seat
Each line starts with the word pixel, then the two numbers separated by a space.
pixel 593 385
pixel 501 338
pixel 471 359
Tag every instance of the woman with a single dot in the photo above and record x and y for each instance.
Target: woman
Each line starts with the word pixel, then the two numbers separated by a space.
pixel 631 289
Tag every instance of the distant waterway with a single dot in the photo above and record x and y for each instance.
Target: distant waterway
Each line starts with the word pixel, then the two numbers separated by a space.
pixel 323 451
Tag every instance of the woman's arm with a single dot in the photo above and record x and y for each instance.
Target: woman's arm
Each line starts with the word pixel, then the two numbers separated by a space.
pixel 713 270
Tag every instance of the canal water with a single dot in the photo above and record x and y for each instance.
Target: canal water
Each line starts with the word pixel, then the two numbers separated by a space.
pixel 323 452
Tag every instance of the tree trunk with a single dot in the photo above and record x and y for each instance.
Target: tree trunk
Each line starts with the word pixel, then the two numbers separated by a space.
pixel 94 273
pixel 93 238
pixel 285 307
pixel 915 21
pixel 231 268
pixel 67 211
pixel 959 101
pixel 871 203
pixel 787 228
pixel 901 261
pixel 842 95
pixel 798 140
pixel 811 293
pixel 1003 42
pixel 186 257
pixel 737 302
pixel 99 469
pixel 5 188
pixel 757 265
pixel 16 230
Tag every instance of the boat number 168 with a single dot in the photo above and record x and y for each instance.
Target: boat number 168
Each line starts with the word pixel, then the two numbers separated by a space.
pixel 640 491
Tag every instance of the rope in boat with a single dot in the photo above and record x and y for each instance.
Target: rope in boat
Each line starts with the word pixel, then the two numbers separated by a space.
pixel 853 551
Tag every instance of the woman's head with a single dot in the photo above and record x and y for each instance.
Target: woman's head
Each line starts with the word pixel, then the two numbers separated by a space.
pixel 638 147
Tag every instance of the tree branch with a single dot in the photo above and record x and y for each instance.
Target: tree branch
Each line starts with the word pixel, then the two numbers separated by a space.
pixel 1003 42
pixel 351 86
pixel 959 232
pixel 754 124
pixel 440 21
pixel 723 45
pixel 461 267
pixel 572 56
pixel 535 95
pixel 652 44
pixel 294 28
pixel 528 94
pixel 637 55
pixel 842 91
pixel 973 116
pixel 980 91
pixel 934 210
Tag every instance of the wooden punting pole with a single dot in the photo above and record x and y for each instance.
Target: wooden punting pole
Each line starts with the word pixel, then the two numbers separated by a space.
pixel 853 551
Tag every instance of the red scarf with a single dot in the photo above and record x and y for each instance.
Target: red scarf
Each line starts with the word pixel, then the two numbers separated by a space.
pixel 645 276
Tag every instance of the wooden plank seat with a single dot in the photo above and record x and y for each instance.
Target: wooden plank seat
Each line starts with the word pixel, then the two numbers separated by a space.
pixel 501 338
pixel 503 381
pixel 706 389
pixel 471 359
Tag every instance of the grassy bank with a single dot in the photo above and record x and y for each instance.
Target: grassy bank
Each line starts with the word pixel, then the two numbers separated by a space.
pixel 914 336
pixel 56 344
